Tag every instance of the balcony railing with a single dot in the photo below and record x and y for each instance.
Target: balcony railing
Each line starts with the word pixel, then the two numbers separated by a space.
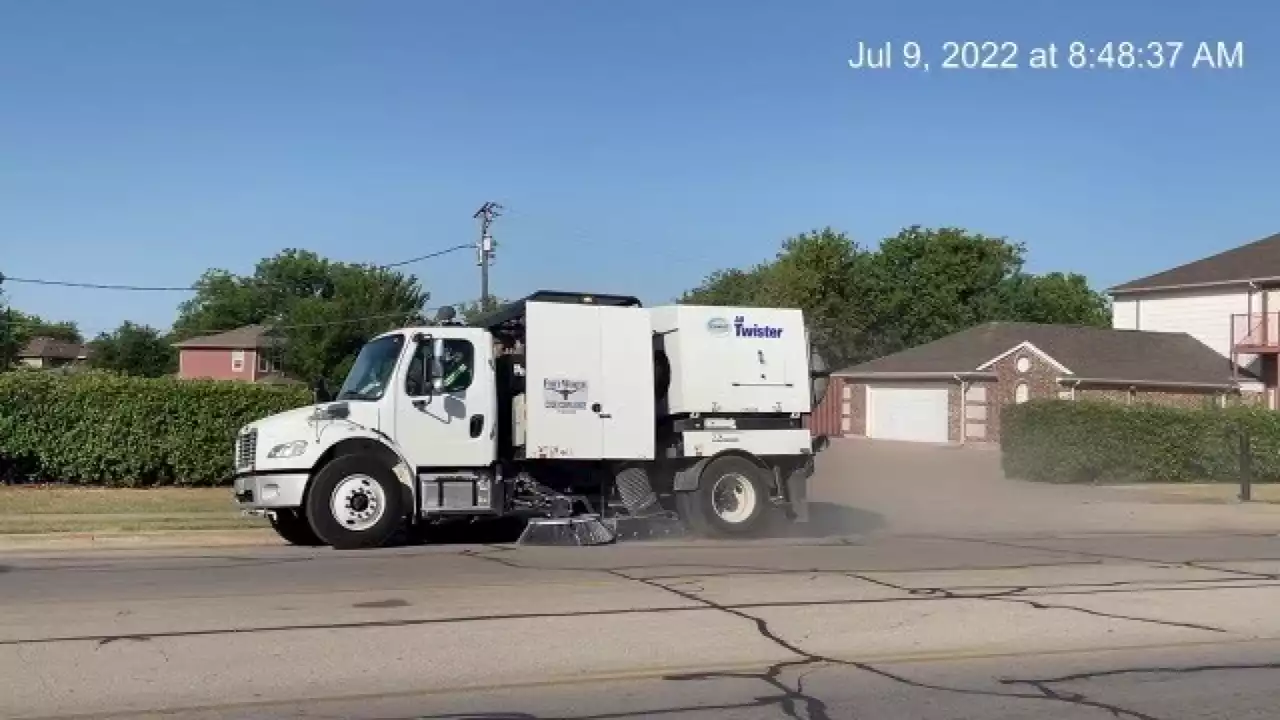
pixel 1256 332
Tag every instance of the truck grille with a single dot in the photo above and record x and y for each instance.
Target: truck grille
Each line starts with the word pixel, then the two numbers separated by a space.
pixel 246 450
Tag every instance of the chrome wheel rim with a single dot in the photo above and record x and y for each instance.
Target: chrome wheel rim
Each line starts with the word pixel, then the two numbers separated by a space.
pixel 358 502
pixel 733 498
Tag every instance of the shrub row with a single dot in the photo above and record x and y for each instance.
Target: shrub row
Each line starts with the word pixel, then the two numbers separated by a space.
pixel 98 428
pixel 1088 442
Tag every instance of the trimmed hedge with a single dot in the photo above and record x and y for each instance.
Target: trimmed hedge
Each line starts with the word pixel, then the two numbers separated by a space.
pixel 1088 442
pixel 97 428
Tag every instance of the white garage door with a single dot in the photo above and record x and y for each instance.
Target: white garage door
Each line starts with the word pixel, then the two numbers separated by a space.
pixel 915 414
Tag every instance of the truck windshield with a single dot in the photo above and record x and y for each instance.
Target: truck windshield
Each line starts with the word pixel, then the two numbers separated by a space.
pixel 372 370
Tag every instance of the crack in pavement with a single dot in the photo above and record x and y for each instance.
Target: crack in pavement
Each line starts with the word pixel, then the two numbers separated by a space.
pixel 1009 597
pixel 1193 564
pixel 791 699
pixel 1153 670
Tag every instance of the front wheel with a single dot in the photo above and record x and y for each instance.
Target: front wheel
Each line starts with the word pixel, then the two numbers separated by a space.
pixel 732 498
pixel 356 502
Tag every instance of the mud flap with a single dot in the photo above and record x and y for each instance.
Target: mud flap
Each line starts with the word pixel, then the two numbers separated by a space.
pixel 798 491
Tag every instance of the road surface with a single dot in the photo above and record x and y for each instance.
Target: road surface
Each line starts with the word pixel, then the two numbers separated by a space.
pixel 1150 626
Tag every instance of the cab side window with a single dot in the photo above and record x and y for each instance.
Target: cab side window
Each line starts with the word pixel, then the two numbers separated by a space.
pixel 457 364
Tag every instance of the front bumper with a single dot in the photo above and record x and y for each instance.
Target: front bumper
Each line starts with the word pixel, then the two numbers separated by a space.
pixel 268 491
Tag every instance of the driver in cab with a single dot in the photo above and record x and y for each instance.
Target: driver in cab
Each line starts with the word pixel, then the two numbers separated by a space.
pixel 456 370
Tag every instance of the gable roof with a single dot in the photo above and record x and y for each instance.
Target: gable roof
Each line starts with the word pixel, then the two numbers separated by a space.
pixel 1084 352
pixel 51 349
pixel 1258 260
pixel 249 337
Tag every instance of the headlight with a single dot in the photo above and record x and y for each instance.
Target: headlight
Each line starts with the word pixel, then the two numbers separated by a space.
pixel 288 450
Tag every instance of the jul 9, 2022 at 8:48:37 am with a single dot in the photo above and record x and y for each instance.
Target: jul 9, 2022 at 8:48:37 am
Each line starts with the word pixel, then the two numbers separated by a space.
pixel 1072 55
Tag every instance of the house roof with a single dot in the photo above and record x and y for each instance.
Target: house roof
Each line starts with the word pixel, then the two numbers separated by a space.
pixel 49 348
pixel 1082 352
pixel 1256 261
pixel 249 337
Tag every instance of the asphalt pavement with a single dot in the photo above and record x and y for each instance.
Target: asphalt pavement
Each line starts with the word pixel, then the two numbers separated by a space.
pixel 912 627
pixel 926 587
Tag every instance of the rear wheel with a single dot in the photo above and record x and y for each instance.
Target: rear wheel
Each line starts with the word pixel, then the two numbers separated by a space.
pixel 732 498
pixel 292 526
pixel 356 502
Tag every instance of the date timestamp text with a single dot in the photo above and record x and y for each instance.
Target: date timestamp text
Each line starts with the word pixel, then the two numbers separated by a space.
pixel 1074 55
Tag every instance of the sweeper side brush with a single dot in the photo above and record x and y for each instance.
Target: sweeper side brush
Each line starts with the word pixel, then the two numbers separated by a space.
pixel 568 531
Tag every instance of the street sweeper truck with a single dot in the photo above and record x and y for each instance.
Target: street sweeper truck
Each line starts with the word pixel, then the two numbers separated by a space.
pixel 556 407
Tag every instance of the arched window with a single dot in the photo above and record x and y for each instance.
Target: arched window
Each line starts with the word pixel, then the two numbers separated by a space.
pixel 1021 393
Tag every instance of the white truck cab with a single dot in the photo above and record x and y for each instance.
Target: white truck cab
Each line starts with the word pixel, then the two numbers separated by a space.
pixel 557 402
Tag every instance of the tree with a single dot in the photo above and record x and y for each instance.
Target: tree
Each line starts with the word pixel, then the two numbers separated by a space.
pixel 11 335
pixel 820 272
pixel 926 284
pixel 917 286
pixel 36 326
pixel 471 312
pixel 133 350
pixel 323 311
pixel 729 287
pixel 1057 298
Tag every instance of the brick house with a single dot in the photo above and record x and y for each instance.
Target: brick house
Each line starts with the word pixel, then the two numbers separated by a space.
pixel 952 390
pixel 1229 301
pixel 246 353
pixel 45 353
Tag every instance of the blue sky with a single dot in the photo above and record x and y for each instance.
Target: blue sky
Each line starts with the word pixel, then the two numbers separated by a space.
pixel 636 145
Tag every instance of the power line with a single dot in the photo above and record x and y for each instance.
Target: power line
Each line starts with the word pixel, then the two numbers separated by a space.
pixel 362 318
pixel 428 256
pixel 5 321
pixel 193 288
pixel 93 286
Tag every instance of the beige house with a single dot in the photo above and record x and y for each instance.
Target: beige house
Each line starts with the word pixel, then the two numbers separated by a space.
pixel 44 353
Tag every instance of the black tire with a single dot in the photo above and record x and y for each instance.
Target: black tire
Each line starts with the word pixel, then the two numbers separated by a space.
pixel 689 508
pixel 698 508
pixel 331 529
pixel 293 527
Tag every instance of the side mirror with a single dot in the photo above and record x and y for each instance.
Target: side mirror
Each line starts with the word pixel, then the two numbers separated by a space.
pixel 320 390
pixel 436 373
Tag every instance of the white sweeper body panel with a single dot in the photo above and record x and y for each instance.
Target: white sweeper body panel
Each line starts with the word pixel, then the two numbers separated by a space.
pixel 589 374
pixel 734 360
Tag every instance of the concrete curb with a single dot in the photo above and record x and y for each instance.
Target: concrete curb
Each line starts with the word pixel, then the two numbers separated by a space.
pixel 157 539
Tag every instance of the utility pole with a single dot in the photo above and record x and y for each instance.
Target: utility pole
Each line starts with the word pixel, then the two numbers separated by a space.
pixel 7 336
pixel 484 248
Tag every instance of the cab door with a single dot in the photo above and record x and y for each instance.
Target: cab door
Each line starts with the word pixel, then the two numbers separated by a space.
pixel 453 428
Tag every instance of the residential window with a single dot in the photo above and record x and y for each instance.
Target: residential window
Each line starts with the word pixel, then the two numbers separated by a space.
pixel 1023 364
pixel 237 361
pixel 265 363
pixel 1021 393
